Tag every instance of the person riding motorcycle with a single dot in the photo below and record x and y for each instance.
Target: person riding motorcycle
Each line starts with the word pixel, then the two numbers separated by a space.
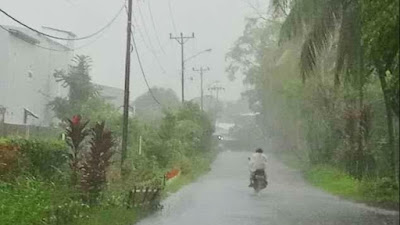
pixel 258 161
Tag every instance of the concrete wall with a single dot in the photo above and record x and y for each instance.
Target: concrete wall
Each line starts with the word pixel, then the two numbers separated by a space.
pixel 26 77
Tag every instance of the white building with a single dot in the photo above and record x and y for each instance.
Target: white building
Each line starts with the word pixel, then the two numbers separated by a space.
pixel 112 95
pixel 27 64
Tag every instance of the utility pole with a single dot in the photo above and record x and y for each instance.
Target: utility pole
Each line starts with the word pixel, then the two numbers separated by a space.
pixel 182 40
pixel 217 89
pixel 201 70
pixel 127 80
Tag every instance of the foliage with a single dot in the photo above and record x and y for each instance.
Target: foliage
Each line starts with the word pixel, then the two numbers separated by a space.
pixel 248 51
pixel 30 201
pixel 43 158
pixel 81 89
pixel 39 158
pixel 76 134
pixel 148 109
pixel 97 161
pixel 344 115
pixel 333 180
pixel 8 157
pixel 382 190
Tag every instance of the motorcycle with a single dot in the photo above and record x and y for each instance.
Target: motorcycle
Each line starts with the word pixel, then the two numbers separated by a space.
pixel 259 180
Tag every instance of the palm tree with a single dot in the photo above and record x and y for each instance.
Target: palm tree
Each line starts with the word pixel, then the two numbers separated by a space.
pixel 317 21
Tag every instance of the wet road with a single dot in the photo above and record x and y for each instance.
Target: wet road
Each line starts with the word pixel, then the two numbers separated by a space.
pixel 222 198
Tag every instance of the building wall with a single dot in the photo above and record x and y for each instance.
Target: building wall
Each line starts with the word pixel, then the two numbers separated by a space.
pixel 112 95
pixel 26 77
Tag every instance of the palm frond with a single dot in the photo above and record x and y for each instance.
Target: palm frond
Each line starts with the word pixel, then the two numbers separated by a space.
pixel 280 6
pixel 302 16
pixel 346 43
pixel 319 36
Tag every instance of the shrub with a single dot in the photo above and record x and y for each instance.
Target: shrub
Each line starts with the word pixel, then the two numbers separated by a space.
pixel 39 158
pixel 43 158
pixel 8 157
pixel 29 201
pixel 381 190
pixel 76 134
pixel 97 161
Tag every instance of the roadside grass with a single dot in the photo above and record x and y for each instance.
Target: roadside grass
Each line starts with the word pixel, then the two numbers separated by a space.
pixel 105 216
pixel 198 168
pixel 379 192
pixel 333 181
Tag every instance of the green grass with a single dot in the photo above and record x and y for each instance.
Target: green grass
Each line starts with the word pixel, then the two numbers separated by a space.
pixel 382 192
pixel 199 167
pixel 106 216
pixel 334 181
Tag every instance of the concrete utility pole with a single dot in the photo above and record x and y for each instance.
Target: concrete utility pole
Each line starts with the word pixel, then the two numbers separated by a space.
pixel 182 40
pixel 201 71
pixel 127 80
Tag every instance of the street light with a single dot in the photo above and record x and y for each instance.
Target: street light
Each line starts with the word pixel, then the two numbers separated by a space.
pixel 199 53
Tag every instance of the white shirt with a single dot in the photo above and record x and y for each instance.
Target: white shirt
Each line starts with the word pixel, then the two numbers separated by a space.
pixel 258 161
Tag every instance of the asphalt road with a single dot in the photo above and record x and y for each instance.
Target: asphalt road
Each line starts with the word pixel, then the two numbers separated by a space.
pixel 222 198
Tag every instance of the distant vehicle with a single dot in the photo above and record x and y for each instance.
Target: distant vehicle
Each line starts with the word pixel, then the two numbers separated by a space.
pixel 220 137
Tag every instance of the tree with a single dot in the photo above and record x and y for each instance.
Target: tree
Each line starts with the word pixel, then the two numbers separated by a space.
pixel 78 80
pixel 316 21
pixel 381 38
pixel 146 107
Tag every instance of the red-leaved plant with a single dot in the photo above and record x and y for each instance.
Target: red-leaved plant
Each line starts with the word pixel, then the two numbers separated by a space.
pixel 96 162
pixel 76 133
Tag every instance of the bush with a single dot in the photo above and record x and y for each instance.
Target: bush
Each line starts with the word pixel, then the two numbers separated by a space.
pixel 42 158
pixel 29 201
pixel 39 158
pixel 381 190
pixel 8 157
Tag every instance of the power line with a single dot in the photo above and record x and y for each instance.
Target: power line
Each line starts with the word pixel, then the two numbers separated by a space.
pixel 154 26
pixel 142 70
pixel 59 50
pixel 143 73
pixel 171 15
pixel 61 38
pixel 150 49
pixel 140 33
pixel 145 28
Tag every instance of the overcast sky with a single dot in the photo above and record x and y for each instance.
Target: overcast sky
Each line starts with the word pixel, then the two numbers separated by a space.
pixel 216 24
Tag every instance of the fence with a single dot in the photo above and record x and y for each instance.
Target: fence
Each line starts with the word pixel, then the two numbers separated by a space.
pixel 145 197
pixel 28 130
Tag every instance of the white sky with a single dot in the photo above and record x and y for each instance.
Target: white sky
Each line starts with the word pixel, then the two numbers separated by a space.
pixel 216 23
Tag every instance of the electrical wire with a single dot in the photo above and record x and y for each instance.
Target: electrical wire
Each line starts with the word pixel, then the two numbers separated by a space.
pixel 147 46
pixel 142 70
pixel 61 38
pixel 171 15
pixel 60 50
pixel 145 28
pixel 154 27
